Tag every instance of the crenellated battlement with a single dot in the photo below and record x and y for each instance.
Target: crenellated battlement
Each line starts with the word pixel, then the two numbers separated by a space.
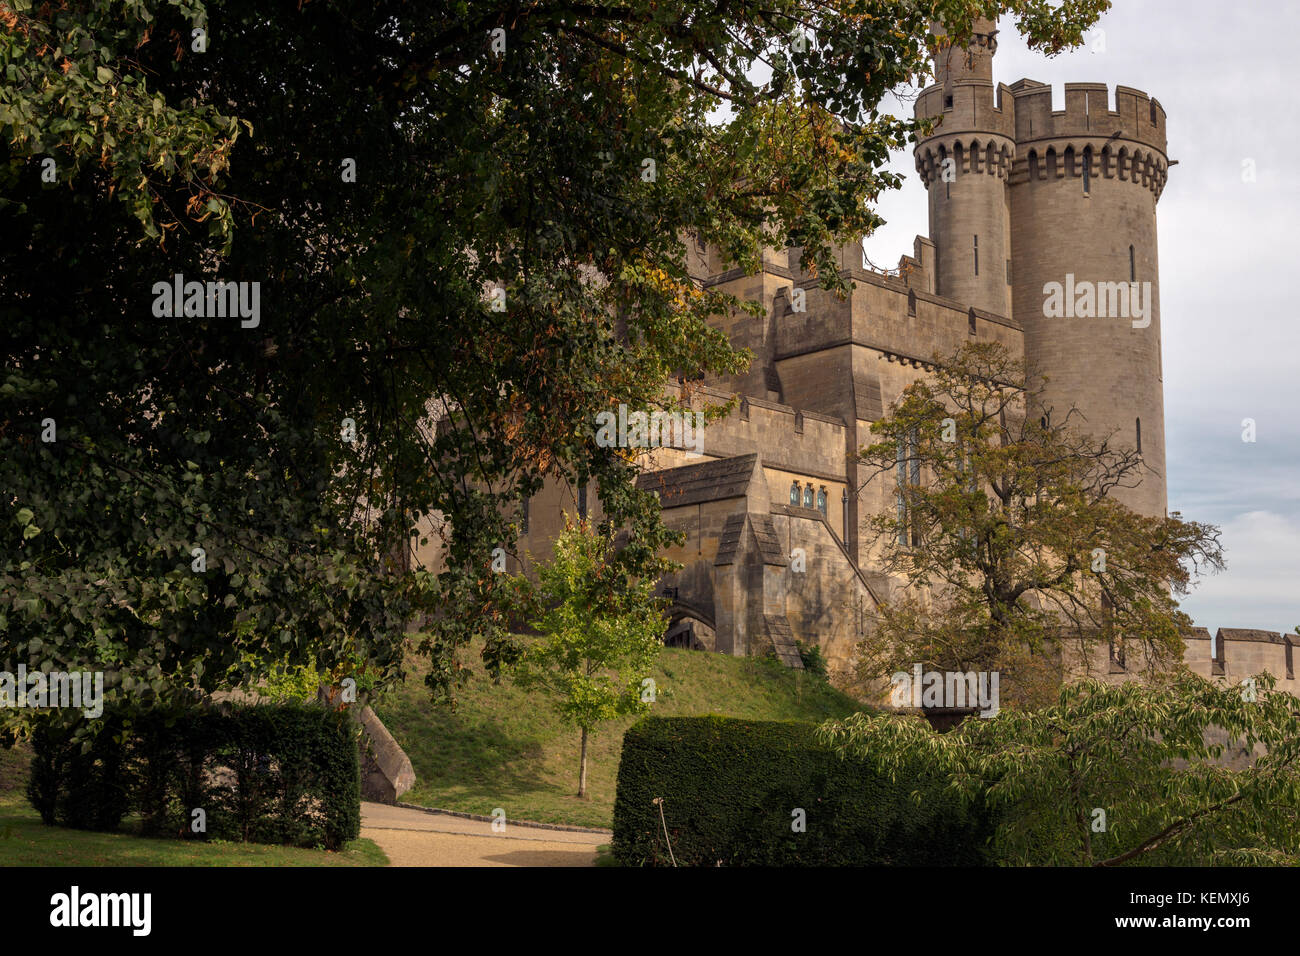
pixel 968 108
pixel 1126 144
pixel 1136 119
pixel 1236 653
pixel 1017 136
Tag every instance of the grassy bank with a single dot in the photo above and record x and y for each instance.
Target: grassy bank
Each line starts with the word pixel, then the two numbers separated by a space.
pixel 503 748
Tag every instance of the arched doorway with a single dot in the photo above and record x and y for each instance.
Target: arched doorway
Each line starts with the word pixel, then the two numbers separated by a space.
pixel 689 631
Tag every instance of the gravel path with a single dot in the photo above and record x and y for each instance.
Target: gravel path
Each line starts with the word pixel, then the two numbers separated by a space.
pixel 415 838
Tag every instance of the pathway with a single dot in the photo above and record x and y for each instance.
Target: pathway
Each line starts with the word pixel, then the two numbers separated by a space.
pixel 415 838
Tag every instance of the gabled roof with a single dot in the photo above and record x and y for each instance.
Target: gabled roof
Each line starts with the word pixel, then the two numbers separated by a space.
pixel 769 545
pixel 766 543
pixel 708 481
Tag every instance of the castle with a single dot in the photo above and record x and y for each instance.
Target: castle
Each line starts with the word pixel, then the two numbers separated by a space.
pixel 1020 196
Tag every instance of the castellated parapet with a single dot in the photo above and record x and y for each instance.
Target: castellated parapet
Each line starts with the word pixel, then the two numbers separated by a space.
pixel 1237 653
pixel 1128 142
pixel 1025 199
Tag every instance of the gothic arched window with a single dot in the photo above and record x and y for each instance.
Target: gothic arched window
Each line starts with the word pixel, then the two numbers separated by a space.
pixel 808 496
pixel 794 493
pixel 821 500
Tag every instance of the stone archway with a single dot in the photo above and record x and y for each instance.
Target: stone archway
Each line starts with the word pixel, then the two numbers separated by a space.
pixel 687 628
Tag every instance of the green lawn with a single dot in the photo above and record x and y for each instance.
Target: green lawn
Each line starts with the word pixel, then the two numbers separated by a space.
pixel 505 748
pixel 25 841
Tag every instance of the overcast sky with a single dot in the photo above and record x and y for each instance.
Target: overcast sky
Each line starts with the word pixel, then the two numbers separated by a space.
pixel 1228 258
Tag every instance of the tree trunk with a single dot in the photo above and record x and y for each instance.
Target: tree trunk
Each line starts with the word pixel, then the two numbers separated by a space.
pixel 582 773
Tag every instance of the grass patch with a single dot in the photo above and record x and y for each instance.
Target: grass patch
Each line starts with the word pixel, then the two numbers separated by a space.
pixel 502 747
pixel 26 841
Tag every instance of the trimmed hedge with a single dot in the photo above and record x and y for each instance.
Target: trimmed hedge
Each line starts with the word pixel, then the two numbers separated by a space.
pixel 266 774
pixel 730 788
pixel 83 784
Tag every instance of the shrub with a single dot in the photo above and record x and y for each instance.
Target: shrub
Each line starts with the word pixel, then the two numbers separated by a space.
pixel 266 773
pixel 814 661
pixel 79 781
pixel 730 789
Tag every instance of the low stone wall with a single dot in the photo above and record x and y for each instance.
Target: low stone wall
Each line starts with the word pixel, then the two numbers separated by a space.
pixel 386 771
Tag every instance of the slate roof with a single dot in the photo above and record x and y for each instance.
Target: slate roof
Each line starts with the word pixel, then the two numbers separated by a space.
pixel 766 541
pixel 708 481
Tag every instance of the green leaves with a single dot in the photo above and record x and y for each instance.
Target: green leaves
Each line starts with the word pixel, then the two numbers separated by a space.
pixel 600 632
pixel 55 105
pixel 1149 756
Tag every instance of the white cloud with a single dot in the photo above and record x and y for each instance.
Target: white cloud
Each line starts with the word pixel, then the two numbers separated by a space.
pixel 1262 586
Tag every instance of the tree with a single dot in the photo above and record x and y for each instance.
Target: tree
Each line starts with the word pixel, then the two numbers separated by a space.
pixel 1010 540
pixel 1113 774
pixel 464 227
pixel 598 637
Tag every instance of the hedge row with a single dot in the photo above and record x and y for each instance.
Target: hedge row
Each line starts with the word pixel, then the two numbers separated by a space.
pixel 731 790
pixel 266 774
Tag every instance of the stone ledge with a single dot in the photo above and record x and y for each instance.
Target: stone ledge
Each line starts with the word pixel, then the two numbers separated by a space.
pixel 386 771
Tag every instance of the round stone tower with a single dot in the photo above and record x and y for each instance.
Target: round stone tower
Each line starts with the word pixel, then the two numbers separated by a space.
pixel 1085 282
pixel 1049 217
pixel 965 166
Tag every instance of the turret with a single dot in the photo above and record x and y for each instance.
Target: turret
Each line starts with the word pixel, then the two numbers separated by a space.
pixel 1085 281
pixel 965 165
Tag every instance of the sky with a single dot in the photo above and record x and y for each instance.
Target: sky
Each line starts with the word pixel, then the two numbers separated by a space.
pixel 1228 252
